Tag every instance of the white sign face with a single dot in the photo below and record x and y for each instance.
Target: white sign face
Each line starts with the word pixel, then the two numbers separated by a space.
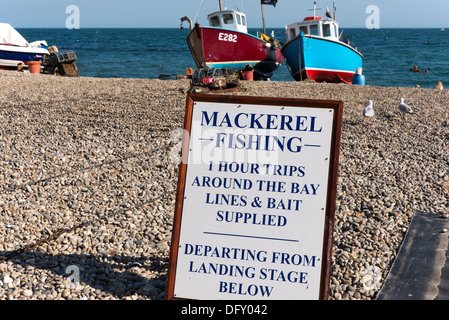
pixel 254 206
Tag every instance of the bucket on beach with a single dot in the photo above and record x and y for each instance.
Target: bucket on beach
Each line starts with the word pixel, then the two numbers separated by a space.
pixel 34 66
pixel 248 75
pixel 358 78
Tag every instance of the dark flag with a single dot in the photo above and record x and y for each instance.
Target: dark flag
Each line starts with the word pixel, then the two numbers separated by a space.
pixel 273 2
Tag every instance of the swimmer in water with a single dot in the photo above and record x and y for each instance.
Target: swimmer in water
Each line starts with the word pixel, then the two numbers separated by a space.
pixel 415 69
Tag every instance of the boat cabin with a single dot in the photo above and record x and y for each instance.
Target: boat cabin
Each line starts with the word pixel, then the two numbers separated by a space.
pixel 314 26
pixel 228 19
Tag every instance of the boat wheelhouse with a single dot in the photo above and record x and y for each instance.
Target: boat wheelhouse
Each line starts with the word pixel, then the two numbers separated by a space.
pixel 316 49
pixel 314 26
pixel 228 19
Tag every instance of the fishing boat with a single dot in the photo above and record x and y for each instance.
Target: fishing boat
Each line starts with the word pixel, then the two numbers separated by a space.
pixel 15 50
pixel 226 43
pixel 316 50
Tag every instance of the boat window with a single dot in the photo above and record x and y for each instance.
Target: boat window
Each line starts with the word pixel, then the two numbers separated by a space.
pixel 243 20
pixel 314 30
pixel 214 21
pixel 228 19
pixel 238 19
pixel 326 30
pixel 292 33
pixel 303 30
pixel 343 37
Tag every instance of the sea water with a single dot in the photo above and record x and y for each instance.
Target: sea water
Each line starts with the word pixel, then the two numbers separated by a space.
pixel 389 54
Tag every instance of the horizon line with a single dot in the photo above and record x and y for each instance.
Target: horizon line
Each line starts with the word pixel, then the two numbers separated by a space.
pixel 187 28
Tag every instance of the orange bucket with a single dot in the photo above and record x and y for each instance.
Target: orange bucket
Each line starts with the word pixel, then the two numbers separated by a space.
pixel 34 66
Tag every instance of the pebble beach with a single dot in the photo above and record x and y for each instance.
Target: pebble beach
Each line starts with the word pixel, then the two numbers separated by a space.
pixel 88 181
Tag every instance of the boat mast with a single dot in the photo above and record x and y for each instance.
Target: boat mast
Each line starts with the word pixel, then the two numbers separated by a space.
pixel 262 2
pixel 335 9
pixel 263 19
pixel 314 10
pixel 221 7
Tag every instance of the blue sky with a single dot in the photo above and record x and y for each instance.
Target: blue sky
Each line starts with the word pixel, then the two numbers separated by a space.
pixel 167 13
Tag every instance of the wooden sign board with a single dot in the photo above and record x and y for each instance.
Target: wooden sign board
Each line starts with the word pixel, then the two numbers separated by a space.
pixel 256 199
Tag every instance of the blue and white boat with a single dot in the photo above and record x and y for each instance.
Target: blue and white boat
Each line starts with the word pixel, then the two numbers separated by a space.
pixel 15 50
pixel 316 50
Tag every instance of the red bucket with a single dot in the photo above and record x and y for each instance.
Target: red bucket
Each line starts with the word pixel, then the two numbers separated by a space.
pixel 248 75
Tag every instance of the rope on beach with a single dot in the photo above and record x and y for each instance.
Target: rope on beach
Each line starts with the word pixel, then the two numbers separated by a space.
pixel 61 231
pixel 35 182
pixel 56 234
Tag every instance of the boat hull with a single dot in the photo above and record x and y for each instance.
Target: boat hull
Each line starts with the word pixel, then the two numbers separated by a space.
pixel 222 48
pixel 11 56
pixel 321 60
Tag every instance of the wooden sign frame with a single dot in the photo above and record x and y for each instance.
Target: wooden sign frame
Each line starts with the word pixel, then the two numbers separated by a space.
pixel 336 106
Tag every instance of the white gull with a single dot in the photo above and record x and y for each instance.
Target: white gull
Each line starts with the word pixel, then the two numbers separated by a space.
pixel 403 107
pixel 369 109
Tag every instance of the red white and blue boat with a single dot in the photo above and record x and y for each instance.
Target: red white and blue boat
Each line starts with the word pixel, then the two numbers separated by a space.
pixel 226 43
pixel 315 50
pixel 15 50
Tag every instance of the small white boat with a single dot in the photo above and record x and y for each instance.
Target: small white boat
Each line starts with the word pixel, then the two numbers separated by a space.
pixel 15 50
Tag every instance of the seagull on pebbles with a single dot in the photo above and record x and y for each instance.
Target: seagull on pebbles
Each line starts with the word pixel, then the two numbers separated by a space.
pixel 404 108
pixel 369 109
